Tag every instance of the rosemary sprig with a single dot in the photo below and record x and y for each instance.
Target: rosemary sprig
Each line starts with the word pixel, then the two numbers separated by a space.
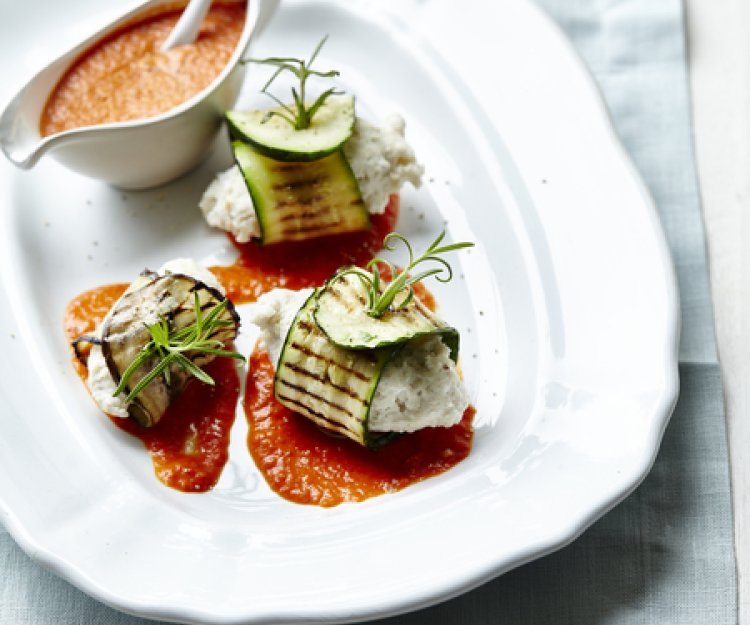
pixel 301 115
pixel 378 303
pixel 170 347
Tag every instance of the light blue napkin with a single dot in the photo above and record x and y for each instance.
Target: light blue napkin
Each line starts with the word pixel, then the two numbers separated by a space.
pixel 665 555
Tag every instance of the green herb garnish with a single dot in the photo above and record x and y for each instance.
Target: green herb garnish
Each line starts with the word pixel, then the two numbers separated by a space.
pixel 379 302
pixel 302 116
pixel 170 347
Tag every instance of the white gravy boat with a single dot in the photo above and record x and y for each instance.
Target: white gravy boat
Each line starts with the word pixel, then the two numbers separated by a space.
pixel 134 154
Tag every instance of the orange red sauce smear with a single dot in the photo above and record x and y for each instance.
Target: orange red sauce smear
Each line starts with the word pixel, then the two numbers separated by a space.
pixel 306 263
pixel 306 465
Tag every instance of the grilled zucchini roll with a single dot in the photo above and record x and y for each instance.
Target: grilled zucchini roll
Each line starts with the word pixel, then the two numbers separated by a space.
pixel 291 159
pixel 297 161
pixel 408 382
pixel 363 357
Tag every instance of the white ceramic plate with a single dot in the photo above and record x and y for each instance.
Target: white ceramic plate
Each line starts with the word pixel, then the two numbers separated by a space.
pixel 567 306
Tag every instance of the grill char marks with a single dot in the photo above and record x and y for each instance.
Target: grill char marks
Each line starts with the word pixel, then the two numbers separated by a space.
pixel 298 184
pixel 320 398
pixel 348 370
pixel 295 201
pixel 342 314
pixel 317 417
pixel 349 299
pixel 326 380
pixel 331 386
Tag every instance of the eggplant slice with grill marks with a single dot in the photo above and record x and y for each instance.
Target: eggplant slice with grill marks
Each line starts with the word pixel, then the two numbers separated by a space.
pixel 125 333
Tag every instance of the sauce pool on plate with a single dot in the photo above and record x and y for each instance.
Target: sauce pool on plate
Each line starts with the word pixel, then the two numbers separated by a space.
pixel 306 465
pixel 302 264
pixel 125 76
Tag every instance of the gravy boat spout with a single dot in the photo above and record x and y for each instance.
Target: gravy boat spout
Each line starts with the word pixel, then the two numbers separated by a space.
pixel 133 154
pixel 20 138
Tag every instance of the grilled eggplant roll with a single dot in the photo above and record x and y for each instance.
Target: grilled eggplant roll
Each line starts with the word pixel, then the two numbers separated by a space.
pixel 125 334
pixel 174 299
pixel 405 382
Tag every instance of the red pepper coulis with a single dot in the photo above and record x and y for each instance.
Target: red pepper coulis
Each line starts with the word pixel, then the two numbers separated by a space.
pixel 304 464
pixel 189 446
pixel 302 264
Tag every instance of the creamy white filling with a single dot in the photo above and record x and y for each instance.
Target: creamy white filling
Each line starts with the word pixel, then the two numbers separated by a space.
pixel 273 313
pixel 381 160
pixel 419 388
pixel 188 267
pixel 227 205
pixel 99 380
pixel 102 386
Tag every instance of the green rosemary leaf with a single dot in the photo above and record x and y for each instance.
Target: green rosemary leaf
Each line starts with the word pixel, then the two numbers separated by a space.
pixel 300 116
pixel 379 302
pixel 150 377
pixel 188 365
pixel 222 352
pixel 320 101
pixel 317 50
pixel 145 354
pixel 169 346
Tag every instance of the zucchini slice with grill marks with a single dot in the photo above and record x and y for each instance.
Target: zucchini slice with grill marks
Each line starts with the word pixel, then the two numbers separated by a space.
pixel 341 313
pixel 273 136
pixel 124 334
pixel 297 201
pixel 331 386
pixel 334 386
